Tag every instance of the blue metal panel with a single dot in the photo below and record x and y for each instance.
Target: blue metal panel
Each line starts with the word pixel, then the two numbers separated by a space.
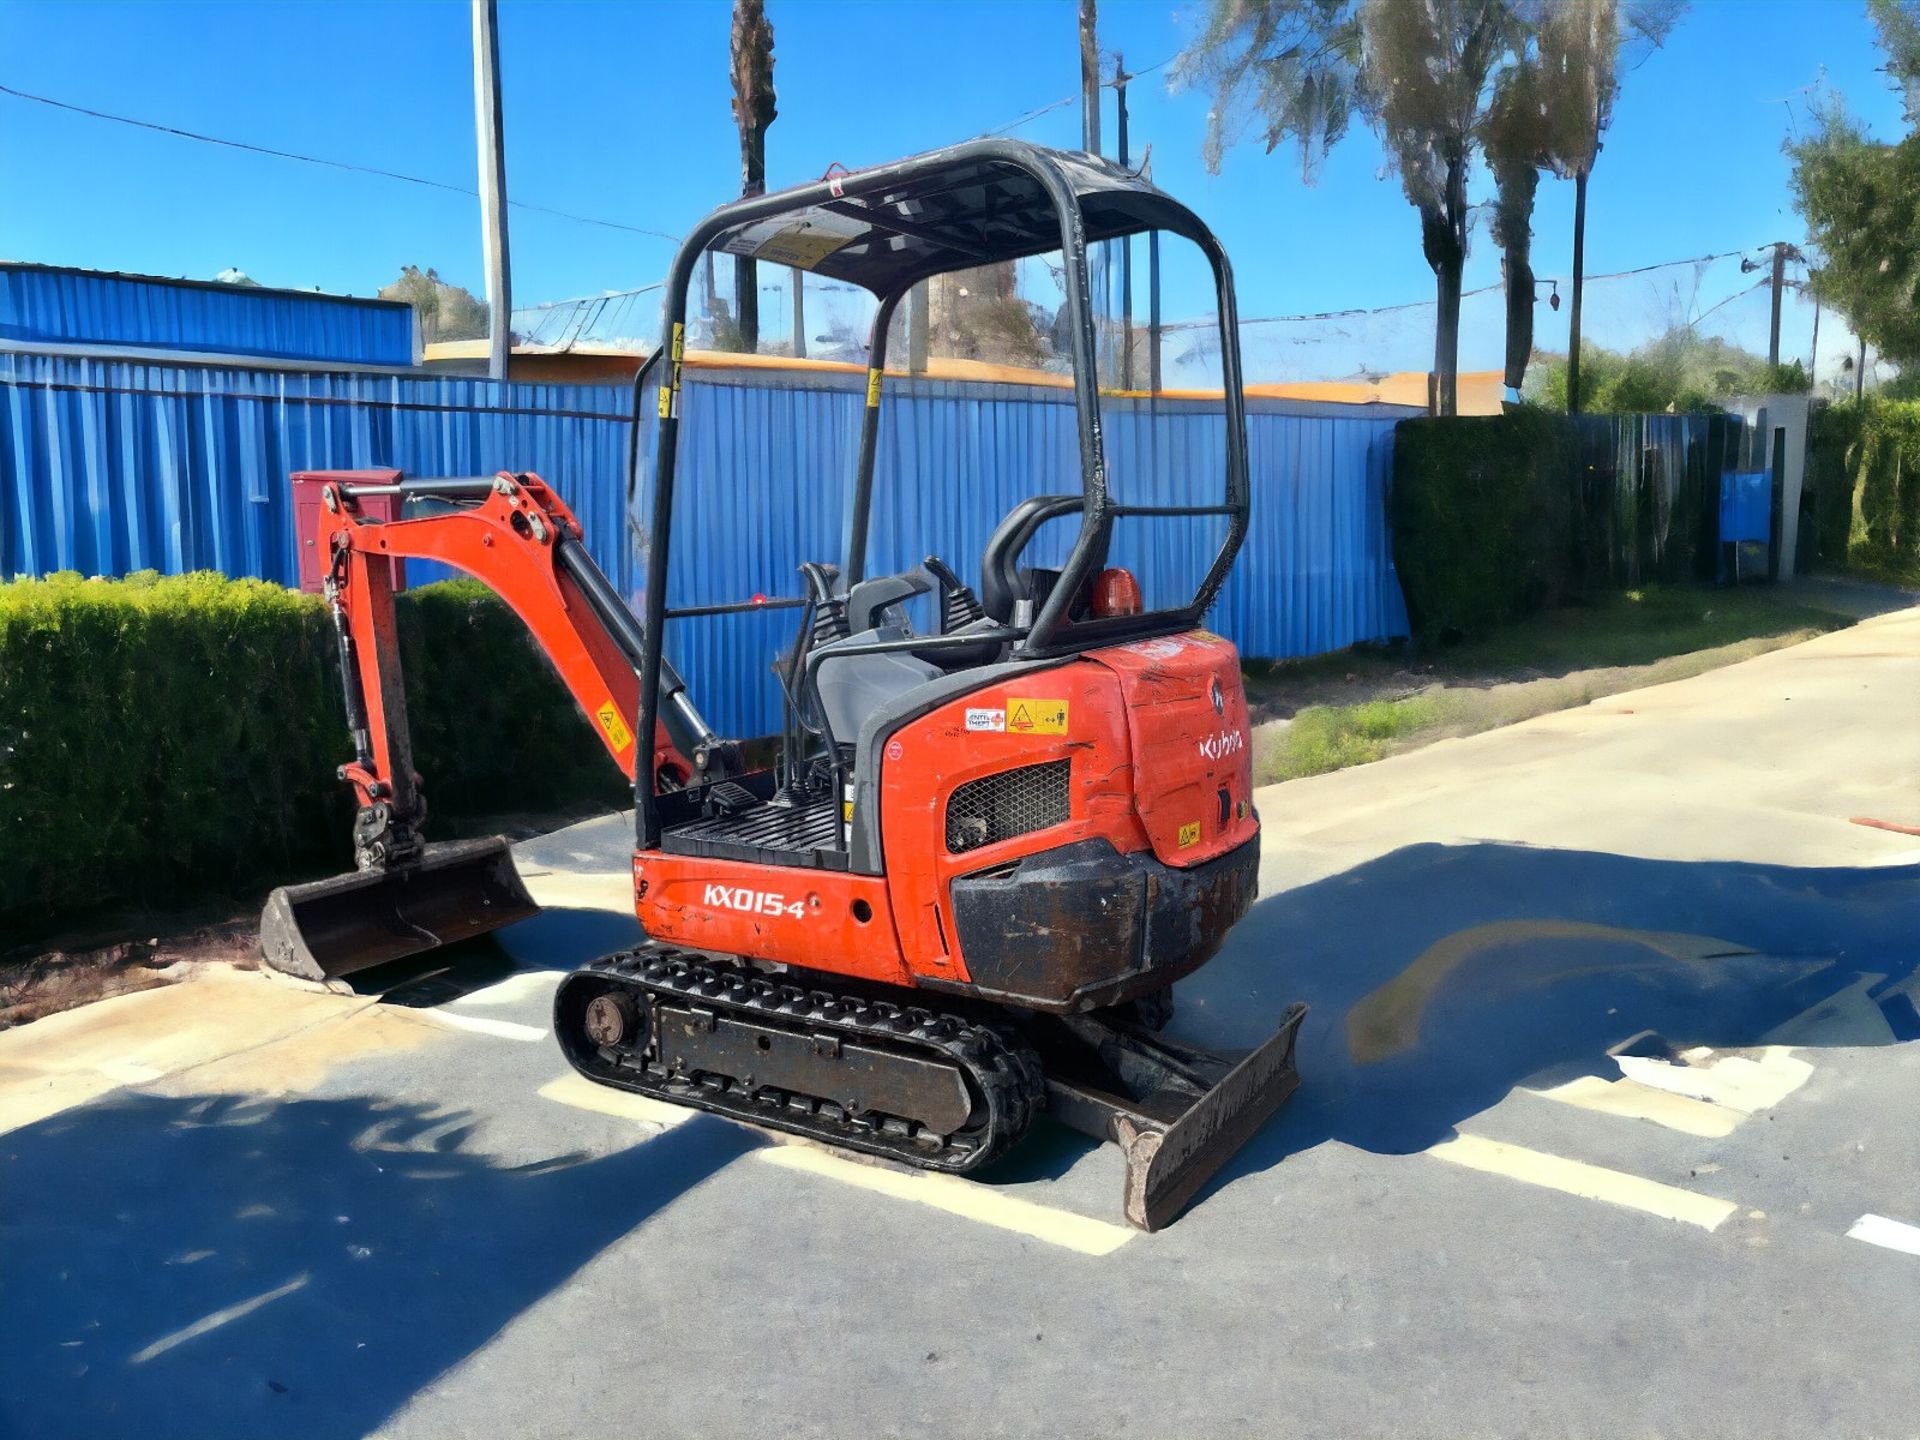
pixel 1746 506
pixel 107 467
pixel 83 307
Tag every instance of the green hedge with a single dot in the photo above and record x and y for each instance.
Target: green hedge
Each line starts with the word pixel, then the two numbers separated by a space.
pixel 1483 520
pixel 1864 468
pixel 163 739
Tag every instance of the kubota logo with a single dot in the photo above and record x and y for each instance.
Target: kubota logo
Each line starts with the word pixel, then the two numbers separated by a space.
pixel 754 902
pixel 1223 744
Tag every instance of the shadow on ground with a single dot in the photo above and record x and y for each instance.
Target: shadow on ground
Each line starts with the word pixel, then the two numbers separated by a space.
pixel 298 1267
pixel 1440 977
pixel 560 937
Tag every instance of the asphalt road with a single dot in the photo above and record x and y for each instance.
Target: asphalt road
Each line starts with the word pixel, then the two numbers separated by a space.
pixel 1609 1054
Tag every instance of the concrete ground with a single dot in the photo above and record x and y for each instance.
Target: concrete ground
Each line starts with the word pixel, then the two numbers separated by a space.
pixel 1608 1126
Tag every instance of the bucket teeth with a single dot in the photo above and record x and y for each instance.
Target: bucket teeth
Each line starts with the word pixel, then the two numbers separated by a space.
pixel 454 891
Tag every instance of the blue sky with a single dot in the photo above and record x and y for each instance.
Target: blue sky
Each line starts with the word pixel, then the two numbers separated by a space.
pixel 620 111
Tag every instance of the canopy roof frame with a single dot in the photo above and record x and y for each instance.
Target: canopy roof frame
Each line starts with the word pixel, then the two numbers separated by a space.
pixel 1069 200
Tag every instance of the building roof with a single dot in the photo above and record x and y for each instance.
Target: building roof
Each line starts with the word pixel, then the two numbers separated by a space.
pixel 60 305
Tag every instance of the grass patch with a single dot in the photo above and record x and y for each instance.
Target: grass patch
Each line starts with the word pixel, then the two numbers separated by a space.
pixel 1640 627
pixel 1351 708
pixel 1332 737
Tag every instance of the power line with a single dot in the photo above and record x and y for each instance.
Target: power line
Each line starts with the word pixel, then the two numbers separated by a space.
pixel 1464 294
pixel 323 160
pixel 1032 115
pixel 1066 100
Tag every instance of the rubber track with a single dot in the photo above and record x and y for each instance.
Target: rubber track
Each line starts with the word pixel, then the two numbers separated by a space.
pixel 1000 1068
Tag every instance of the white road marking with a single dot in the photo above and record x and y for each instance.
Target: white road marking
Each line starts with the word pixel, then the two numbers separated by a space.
pixel 1591 1182
pixel 965 1198
pixel 481 1025
pixel 214 1321
pixel 125 1072
pixel 1847 1017
pixel 1734 1081
pixel 584 1094
pixel 1643 1102
pixel 1888 1234
pixel 573 890
pixel 515 987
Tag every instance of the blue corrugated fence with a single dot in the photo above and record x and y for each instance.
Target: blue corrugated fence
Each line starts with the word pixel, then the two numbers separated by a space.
pixel 111 467
pixel 54 304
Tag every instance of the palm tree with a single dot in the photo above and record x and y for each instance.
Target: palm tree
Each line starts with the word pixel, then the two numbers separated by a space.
pixel 751 48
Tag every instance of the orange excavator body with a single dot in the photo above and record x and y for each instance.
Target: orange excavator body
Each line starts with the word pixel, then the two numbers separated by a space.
pixel 981 856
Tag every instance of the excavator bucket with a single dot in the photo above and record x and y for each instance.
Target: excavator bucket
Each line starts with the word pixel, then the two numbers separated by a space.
pixel 1177 1113
pixel 454 891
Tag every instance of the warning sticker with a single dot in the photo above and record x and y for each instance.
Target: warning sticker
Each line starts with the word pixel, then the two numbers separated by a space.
pixel 995 720
pixel 617 733
pixel 873 389
pixel 1037 717
pixel 1189 834
pixel 799 240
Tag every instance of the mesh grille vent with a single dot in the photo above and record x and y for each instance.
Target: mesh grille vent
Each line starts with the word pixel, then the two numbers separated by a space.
pixel 1013 802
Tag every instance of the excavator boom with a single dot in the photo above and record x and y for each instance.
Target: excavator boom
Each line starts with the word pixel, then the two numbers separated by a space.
pixel 405 896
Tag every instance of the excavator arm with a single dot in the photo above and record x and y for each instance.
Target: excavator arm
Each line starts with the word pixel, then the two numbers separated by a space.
pixel 516 535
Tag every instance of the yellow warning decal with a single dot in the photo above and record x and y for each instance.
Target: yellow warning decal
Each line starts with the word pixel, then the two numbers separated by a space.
pixel 1036 717
pixel 677 352
pixel 1189 834
pixel 873 389
pixel 617 733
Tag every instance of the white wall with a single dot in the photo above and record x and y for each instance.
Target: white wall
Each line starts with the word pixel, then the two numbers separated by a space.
pixel 1765 414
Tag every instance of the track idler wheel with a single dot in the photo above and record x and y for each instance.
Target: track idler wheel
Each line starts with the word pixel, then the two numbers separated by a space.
pixel 611 1019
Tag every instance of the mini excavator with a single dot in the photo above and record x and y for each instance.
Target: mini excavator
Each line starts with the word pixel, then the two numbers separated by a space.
pixel 957 891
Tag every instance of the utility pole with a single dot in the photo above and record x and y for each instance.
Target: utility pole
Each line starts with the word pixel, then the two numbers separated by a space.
pixel 1813 358
pixel 1153 311
pixel 1099 279
pixel 1089 80
pixel 1120 79
pixel 1860 374
pixel 1779 282
pixel 799 313
pixel 1579 286
pixel 1782 253
pixel 493 185
pixel 919 319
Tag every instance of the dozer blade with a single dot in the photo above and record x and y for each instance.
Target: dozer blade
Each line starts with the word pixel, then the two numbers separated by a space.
pixel 1177 1113
pixel 453 891
pixel 1167 1167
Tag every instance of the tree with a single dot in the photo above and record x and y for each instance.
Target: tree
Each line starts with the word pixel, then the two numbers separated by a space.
pixel 445 312
pixel 751 53
pixel 1512 137
pixel 1861 202
pixel 1550 106
pixel 1681 371
pixel 1580 44
pixel 1419 72
pixel 978 314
